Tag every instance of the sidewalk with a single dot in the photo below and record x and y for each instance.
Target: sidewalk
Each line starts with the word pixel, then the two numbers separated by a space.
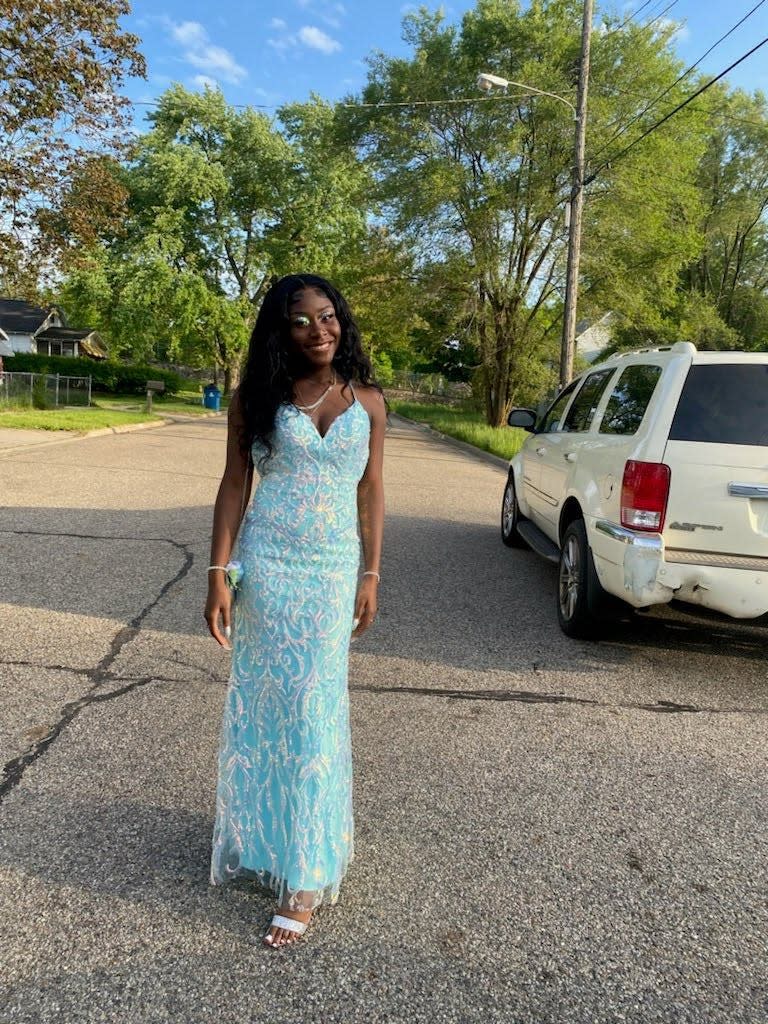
pixel 13 440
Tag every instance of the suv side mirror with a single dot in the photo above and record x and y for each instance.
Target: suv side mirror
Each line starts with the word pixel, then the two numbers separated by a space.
pixel 523 418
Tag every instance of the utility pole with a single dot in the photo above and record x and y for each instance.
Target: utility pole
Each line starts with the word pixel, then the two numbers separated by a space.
pixel 577 204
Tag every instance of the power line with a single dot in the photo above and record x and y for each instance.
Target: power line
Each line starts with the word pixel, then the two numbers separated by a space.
pixel 680 77
pixel 672 113
pixel 624 23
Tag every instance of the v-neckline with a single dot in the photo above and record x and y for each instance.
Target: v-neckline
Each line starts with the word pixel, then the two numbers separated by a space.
pixel 333 422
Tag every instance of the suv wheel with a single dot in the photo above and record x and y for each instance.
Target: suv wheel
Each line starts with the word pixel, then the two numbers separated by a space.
pixel 510 516
pixel 582 604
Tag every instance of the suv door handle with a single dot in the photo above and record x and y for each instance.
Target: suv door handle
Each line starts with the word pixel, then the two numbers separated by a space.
pixel 570 456
pixel 748 490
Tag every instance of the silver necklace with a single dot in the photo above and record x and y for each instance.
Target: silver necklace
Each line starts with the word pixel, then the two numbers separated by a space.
pixel 321 399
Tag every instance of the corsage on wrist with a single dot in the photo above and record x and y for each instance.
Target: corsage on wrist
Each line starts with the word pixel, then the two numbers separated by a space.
pixel 233 573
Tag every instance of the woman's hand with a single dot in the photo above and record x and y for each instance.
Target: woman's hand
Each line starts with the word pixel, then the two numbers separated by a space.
pixel 219 606
pixel 366 604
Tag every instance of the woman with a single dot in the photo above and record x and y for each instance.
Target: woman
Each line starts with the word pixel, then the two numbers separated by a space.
pixel 309 415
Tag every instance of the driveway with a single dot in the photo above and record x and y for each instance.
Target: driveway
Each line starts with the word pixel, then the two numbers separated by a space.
pixel 547 831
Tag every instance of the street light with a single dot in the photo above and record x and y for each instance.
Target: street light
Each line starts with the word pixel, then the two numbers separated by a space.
pixel 488 83
pixel 576 203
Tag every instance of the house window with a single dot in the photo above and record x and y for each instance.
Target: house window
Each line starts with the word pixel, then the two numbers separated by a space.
pixel 68 348
pixel 42 348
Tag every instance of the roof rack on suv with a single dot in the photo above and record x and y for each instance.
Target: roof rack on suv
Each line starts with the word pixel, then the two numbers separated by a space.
pixel 679 346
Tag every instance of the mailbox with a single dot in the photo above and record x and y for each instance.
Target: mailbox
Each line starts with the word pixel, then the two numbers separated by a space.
pixel 154 387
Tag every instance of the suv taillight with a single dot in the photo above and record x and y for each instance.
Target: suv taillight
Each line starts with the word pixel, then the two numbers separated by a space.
pixel 644 493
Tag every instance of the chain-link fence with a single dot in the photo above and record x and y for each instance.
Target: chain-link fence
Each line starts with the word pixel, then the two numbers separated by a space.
pixel 43 390
pixel 434 384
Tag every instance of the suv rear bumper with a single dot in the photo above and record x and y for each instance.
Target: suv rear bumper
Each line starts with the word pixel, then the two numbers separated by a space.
pixel 635 567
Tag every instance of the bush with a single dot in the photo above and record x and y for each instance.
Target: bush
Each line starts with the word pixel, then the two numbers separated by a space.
pixel 40 398
pixel 107 375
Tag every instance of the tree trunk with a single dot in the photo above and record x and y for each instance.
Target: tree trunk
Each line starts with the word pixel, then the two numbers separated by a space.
pixel 231 375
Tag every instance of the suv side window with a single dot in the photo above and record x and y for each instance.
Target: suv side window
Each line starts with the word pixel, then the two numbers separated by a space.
pixel 629 399
pixel 585 404
pixel 550 422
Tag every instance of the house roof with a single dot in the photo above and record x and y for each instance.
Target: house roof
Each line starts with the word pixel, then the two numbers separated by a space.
pixel 90 341
pixel 20 317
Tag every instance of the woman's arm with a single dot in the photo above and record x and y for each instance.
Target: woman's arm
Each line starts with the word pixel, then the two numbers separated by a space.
pixel 227 512
pixel 370 508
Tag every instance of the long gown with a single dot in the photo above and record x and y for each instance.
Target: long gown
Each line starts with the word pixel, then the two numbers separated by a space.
pixel 284 794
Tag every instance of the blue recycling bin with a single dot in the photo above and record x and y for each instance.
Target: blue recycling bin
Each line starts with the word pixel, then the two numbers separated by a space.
pixel 211 397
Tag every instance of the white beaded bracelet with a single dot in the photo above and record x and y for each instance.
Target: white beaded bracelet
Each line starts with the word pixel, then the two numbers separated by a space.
pixel 372 572
pixel 222 567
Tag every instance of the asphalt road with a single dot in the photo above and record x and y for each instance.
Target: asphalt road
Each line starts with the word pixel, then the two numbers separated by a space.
pixel 547 832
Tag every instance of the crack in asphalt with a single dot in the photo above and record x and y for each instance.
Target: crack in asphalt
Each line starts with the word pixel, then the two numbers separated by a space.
pixel 109 676
pixel 13 771
pixel 95 536
pixel 535 697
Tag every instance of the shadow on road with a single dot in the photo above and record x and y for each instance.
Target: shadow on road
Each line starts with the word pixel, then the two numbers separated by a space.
pixel 451 592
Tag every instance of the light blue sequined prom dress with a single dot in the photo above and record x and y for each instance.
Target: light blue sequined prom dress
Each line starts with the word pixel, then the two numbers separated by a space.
pixel 284 795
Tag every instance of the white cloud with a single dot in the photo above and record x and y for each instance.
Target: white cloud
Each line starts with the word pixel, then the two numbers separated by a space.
pixel 189 33
pixel 330 13
pixel 681 31
pixel 218 60
pixel 201 53
pixel 316 39
pixel 278 23
pixel 201 81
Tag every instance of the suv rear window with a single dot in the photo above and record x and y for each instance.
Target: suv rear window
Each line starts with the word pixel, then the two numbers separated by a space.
pixel 723 403
pixel 629 400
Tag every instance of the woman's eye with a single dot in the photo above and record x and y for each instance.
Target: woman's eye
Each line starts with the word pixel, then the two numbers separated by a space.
pixel 326 317
pixel 300 321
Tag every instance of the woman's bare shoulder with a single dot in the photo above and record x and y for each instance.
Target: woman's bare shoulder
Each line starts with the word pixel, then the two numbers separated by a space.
pixel 370 398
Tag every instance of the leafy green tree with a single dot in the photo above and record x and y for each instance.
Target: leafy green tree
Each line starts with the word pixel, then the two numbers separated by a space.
pixel 730 276
pixel 481 185
pixel 63 63
pixel 221 201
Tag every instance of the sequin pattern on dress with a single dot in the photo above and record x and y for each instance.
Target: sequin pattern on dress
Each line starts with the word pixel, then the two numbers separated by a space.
pixel 284 794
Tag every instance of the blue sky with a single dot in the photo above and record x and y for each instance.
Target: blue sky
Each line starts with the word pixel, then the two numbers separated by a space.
pixel 268 52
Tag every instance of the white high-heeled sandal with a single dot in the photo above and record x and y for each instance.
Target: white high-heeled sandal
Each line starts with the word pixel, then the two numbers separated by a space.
pixel 289 924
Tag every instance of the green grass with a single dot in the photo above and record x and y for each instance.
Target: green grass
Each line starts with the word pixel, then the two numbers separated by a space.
pixel 70 419
pixel 464 424
pixel 187 402
pixel 106 411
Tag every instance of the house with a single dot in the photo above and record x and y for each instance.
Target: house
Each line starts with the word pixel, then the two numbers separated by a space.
pixel 593 336
pixel 30 328
pixel 5 348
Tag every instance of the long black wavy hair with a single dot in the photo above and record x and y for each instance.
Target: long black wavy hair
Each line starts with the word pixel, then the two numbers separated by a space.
pixel 273 365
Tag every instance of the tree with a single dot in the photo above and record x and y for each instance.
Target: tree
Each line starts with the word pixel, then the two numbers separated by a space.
pixel 730 276
pixel 63 62
pixel 220 203
pixel 480 186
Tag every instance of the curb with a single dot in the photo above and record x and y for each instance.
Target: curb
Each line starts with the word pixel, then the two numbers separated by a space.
pixel 126 428
pixel 164 421
pixel 454 442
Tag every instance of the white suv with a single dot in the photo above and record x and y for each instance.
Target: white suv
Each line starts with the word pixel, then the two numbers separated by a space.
pixel 647 480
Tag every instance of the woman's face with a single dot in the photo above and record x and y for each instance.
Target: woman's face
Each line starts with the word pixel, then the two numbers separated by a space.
pixel 314 328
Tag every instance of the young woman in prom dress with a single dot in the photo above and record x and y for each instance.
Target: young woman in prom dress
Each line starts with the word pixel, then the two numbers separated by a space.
pixel 309 417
